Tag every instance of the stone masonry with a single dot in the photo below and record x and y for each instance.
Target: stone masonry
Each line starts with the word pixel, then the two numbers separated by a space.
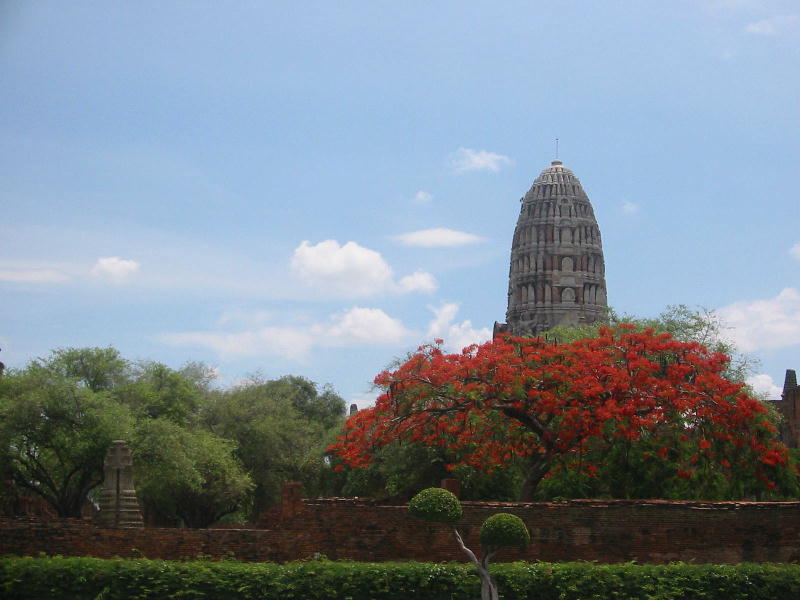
pixel 557 273
pixel 789 408
pixel 118 504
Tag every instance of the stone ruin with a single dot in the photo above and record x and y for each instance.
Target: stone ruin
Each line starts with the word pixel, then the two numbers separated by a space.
pixel 118 504
pixel 557 273
pixel 789 408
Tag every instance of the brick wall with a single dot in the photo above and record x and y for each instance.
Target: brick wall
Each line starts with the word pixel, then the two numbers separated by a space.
pixel 604 531
pixel 73 537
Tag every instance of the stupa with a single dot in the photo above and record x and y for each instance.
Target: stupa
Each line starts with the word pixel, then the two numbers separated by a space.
pixel 557 273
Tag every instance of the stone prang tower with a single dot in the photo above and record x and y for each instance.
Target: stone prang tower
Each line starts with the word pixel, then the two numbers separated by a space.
pixel 557 274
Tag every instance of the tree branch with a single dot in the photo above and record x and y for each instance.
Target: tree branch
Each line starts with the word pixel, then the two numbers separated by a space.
pixel 466 550
pixel 526 419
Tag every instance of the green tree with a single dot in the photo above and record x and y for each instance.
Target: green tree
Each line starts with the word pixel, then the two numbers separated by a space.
pixel 282 429
pixel 402 467
pixel 99 369
pixel 156 391
pixel 398 471
pixel 326 408
pixel 187 475
pixel 56 425
pixel 60 413
pixel 200 374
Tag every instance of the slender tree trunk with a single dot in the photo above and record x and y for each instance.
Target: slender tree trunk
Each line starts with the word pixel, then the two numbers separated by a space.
pixel 488 586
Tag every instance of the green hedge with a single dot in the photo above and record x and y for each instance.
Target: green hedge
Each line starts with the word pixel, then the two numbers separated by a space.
pixel 98 579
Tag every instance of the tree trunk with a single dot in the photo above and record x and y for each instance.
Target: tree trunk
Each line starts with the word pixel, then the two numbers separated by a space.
pixel 537 470
pixel 488 586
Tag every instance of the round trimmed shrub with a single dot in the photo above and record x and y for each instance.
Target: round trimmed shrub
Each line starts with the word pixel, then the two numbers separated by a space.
pixel 504 529
pixel 436 504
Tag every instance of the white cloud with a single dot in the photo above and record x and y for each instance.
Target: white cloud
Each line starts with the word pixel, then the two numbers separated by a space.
pixel 760 324
pixel 361 326
pixel 438 237
pixel 774 25
pixel 419 281
pixel 467 159
pixel 422 197
pixel 630 208
pixel 32 275
pixel 794 251
pixel 764 386
pixel 356 326
pixel 115 269
pixel 352 271
pixel 456 336
pixel 292 342
pixel 349 270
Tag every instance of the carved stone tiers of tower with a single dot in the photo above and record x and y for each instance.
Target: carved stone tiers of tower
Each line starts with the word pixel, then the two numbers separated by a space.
pixel 557 274
pixel 118 504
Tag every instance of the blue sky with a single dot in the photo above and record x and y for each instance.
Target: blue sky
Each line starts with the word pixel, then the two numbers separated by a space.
pixel 316 188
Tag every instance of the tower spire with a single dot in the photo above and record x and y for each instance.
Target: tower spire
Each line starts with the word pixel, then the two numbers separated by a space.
pixel 556 276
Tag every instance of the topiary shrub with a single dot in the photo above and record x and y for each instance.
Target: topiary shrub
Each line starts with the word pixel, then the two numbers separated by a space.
pixel 500 530
pixel 436 504
pixel 504 529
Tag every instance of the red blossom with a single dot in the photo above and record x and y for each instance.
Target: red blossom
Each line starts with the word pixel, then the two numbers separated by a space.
pixel 525 397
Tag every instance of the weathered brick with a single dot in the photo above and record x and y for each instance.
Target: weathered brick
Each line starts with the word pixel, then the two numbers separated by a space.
pixel 604 531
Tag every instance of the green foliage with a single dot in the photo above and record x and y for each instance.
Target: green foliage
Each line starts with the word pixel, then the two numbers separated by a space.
pixel 200 374
pixel 200 453
pixel 326 408
pixel 187 475
pixel 437 505
pixel 55 428
pixel 99 369
pixel 503 484
pixel 155 391
pixel 645 469
pixel 398 471
pixel 504 529
pixel 401 468
pixel 281 429
pixel 82 578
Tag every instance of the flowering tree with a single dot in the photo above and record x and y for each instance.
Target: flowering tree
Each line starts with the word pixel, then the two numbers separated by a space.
pixel 547 404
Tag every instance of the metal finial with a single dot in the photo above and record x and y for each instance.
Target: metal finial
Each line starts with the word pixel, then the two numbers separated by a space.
pixel 556 148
